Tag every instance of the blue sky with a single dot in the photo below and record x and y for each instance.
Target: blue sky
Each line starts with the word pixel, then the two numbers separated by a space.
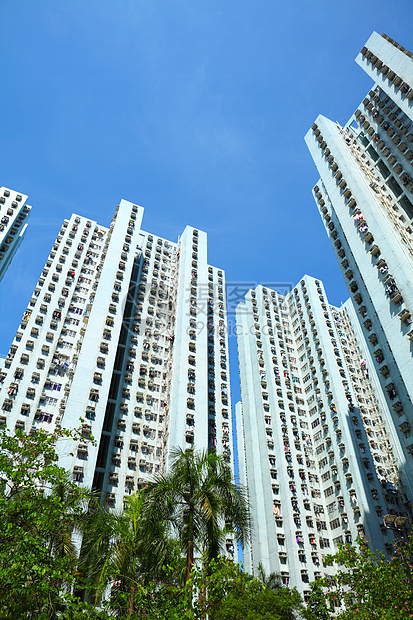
pixel 195 110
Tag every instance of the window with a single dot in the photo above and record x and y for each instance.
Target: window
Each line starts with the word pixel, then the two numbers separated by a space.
pixel 51 385
pixel 337 540
pixel 94 395
pixel 77 474
pixel 82 452
pixel 333 525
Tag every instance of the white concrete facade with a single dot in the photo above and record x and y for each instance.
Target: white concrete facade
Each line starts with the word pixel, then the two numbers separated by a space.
pixel 314 474
pixel 14 213
pixel 126 336
pixel 365 197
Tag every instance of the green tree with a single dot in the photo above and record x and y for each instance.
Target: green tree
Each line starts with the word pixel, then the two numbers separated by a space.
pixel 40 511
pixel 235 595
pixel 273 581
pixel 128 552
pixel 176 601
pixel 231 594
pixel 282 604
pixel 200 501
pixel 370 585
pixel 317 606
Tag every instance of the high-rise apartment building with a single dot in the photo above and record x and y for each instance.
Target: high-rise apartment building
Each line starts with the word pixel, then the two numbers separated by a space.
pixel 125 335
pixel 14 212
pixel 365 197
pixel 313 442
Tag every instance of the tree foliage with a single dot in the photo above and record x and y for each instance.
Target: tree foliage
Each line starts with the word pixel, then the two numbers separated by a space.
pixel 255 601
pixel 219 591
pixel 317 605
pixel 200 501
pixel 273 581
pixel 243 597
pixel 370 585
pixel 40 511
pixel 126 552
pixel 138 563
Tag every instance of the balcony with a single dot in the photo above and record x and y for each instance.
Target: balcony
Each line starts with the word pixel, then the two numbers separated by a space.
pixel 82 448
pixel 396 297
pixel 404 315
pixel 398 407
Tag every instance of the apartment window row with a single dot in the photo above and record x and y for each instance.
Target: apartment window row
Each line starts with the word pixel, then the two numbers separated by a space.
pixel 391 75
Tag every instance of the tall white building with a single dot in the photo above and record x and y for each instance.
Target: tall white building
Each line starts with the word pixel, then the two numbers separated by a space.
pixel 127 332
pixel 313 442
pixel 14 212
pixel 365 197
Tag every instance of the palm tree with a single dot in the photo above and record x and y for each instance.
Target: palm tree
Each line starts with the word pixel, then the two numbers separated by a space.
pixel 127 549
pixel 74 502
pixel 273 581
pixel 200 501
